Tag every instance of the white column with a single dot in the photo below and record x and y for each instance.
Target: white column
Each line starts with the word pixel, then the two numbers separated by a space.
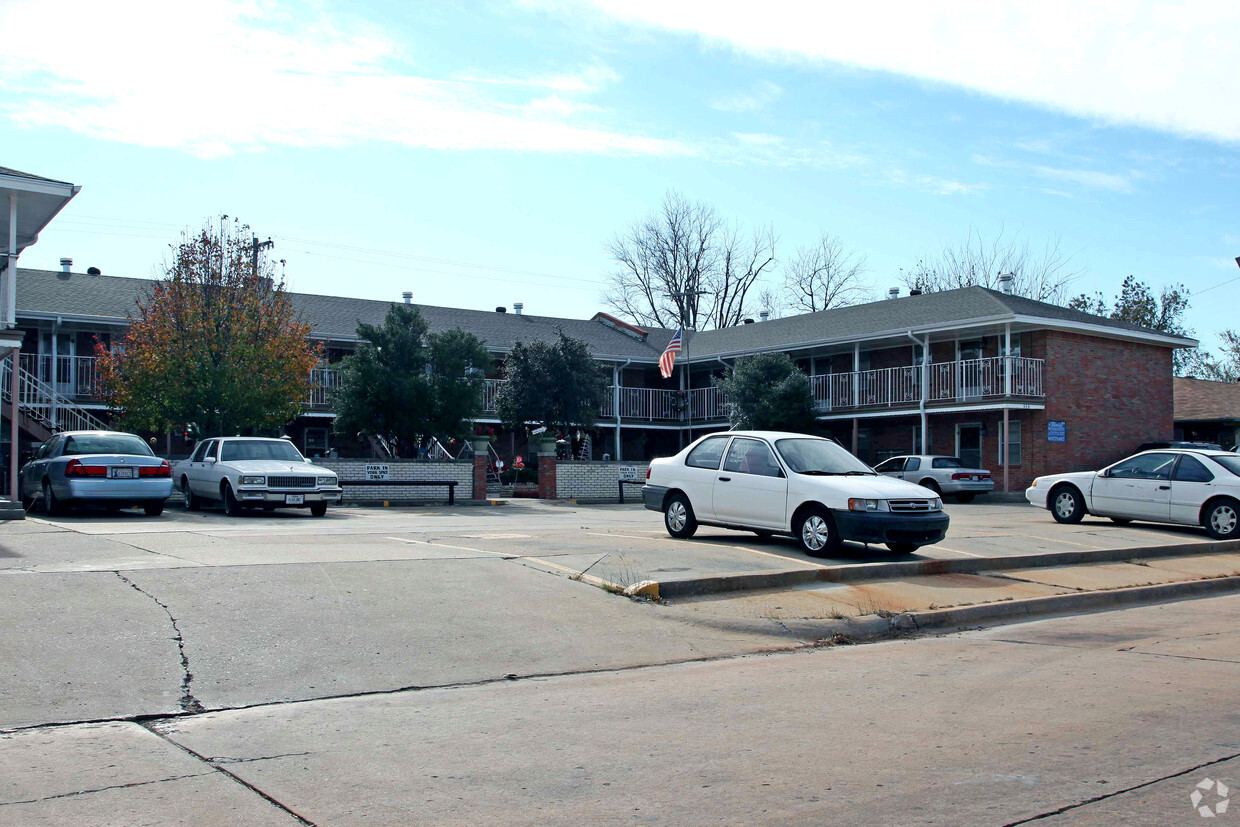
pixel 55 365
pixel 8 296
pixel 14 494
pixel 856 383
pixel 1007 359
pixel 925 395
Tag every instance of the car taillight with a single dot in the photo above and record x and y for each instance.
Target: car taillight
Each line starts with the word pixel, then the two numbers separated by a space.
pixel 75 468
pixel 647 472
pixel 961 476
pixel 161 470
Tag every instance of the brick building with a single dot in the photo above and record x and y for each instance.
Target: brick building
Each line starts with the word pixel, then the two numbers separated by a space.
pixel 1071 390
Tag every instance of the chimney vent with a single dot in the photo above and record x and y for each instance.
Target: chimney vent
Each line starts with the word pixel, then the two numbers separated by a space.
pixel 66 265
pixel 764 315
pixel 501 310
pixel 893 293
pixel 1006 281
pixel 748 321
pixel 914 291
pixel 93 271
pixel 518 307
pixel 407 296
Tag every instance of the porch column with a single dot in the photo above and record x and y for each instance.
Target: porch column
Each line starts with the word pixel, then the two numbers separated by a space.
pixel 1007 362
pixel 615 392
pixel 925 394
pixel 14 495
pixel 856 436
pixel 55 366
pixel 1003 449
pixel 8 297
pixel 856 386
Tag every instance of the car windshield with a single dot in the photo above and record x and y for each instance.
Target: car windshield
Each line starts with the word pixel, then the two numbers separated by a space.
pixel 947 462
pixel 234 450
pixel 1231 463
pixel 82 444
pixel 819 456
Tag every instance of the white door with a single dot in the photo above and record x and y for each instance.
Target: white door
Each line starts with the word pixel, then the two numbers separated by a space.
pixel 1191 485
pixel 1137 488
pixel 751 489
pixel 698 477
pixel 198 469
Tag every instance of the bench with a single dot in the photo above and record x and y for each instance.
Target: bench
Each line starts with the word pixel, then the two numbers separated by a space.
pixel 628 482
pixel 452 484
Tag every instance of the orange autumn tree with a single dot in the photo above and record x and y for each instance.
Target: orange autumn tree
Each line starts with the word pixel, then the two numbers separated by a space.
pixel 215 344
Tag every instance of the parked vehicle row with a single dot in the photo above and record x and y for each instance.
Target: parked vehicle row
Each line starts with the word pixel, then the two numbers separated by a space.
pixel 1180 486
pixel 806 487
pixel 118 470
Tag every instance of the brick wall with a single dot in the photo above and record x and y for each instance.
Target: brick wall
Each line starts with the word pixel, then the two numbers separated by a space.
pixel 404 469
pixel 595 480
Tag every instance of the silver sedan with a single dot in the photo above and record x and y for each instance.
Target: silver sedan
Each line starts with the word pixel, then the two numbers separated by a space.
pixel 944 474
pixel 108 468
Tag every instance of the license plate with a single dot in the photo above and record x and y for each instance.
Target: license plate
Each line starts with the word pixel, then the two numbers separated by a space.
pixel 122 473
pixel 976 478
pixel 294 499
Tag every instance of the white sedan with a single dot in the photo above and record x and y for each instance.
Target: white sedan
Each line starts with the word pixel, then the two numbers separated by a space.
pixel 1169 486
pixel 253 472
pixel 808 487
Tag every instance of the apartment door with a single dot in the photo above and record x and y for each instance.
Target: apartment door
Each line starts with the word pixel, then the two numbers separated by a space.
pixel 58 371
pixel 969 444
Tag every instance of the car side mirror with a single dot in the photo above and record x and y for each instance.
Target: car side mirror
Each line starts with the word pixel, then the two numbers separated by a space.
pixel 305 459
pixel 208 460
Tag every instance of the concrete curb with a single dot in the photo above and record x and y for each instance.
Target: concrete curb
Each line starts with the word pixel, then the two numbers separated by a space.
pixel 741 581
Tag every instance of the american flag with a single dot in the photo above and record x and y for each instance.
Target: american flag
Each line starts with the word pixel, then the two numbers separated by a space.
pixel 668 359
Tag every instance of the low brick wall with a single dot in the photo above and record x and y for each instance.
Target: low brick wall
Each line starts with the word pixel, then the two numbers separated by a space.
pixel 404 469
pixel 579 480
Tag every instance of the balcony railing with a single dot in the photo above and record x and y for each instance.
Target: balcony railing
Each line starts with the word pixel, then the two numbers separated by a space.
pixel 73 377
pixel 323 382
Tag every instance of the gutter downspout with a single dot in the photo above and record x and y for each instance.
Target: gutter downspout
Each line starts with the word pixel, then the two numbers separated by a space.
pixel 925 385
pixel 615 388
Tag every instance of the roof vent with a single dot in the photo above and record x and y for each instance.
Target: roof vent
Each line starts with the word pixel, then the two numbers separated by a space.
pixel 407 296
pixel 748 321
pixel 893 292
pixel 66 265
pixel 914 291
pixel 518 307
pixel 1006 281
pixel 764 315
pixel 501 310
pixel 93 271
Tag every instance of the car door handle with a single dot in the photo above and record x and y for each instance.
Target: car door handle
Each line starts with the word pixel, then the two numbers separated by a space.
pixel 1164 488
pixel 725 479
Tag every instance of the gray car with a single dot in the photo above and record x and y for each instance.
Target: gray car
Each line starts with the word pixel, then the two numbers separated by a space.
pixel 944 474
pixel 108 468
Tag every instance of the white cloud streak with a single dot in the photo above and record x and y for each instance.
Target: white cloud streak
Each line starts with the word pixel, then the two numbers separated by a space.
pixel 760 95
pixel 1164 66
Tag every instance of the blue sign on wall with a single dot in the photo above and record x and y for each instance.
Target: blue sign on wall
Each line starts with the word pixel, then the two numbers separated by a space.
pixel 1056 431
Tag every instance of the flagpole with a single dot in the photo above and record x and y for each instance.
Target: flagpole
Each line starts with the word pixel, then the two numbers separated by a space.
pixel 684 344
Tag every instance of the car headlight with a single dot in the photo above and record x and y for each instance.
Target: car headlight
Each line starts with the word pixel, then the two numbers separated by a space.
pixel 252 480
pixel 328 481
pixel 855 504
pixel 936 504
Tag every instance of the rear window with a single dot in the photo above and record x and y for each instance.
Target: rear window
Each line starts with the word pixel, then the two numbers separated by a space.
pixel 83 444
pixel 1231 463
pixel 946 462
pixel 235 450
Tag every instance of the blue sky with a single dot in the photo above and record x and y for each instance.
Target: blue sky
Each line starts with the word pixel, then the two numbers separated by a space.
pixel 481 154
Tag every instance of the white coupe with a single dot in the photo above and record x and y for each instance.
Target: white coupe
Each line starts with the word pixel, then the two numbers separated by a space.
pixel 1169 486
pixel 808 487
pixel 253 472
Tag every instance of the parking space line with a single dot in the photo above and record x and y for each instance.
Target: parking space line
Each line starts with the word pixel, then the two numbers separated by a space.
pixel 781 557
pixel 957 551
pixel 1065 542
pixel 458 548
pixel 552 565
pixel 625 536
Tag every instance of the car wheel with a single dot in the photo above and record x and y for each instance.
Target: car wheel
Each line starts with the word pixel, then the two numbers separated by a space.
pixel 318 509
pixel 816 533
pixel 192 501
pixel 1222 520
pixel 966 497
pixel 51 504
pixel 1067 505
pixel 153 509
pixel 932 485
pixel 903 548
pixel 678 517
pixel 1121 520
pixel 232 507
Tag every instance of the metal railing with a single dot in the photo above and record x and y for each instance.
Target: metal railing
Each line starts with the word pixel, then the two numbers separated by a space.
pixel 324 381
pixel 38 401
pixel 73 377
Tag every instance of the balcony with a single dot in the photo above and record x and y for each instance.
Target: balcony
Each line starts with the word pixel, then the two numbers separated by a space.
pixel 72 377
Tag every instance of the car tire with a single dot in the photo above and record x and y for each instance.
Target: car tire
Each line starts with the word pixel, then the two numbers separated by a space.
pixel 903 548
pixel 966 497
pixel 153 509
pixel 678 517
pixel 1067 505
pixel 1222 519
pixel 318 509
pixel 192 501
pixel 932 485
pixel 1120 520
pixel 816 533
pixel 51 503
pixel 232 506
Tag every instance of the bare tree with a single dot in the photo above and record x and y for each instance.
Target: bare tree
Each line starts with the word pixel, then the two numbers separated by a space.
pixel 1045 275
pixel 684 266
pixel 825 275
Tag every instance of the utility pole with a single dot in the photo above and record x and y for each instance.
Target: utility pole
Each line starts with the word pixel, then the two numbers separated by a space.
pixel 265 245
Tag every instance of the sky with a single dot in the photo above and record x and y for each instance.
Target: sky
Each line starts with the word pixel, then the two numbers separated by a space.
pixel 480 154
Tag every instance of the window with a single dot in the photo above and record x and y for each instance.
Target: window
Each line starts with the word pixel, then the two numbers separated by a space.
pixel 707 454
pixel 43 451
pixel 914 464
pixel 1144 467
pixel 316 441
pixel 819 456
pixel 1231 463
pixel 199 452
pixel 213 450
pixel 1013 442
pixel 751 456
pixel 917 447
pixel 972 350
pixel 891 465
pixel 1190 469
pixel 946 462
pixel 82 444
pixel 236 450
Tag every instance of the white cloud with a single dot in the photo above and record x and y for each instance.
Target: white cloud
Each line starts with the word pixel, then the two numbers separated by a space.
pixel 1121 182
pixel 760 95
pixel 238 76
pixel 1164 66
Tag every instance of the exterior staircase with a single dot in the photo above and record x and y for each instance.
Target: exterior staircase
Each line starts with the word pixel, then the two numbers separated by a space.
pixel 41 411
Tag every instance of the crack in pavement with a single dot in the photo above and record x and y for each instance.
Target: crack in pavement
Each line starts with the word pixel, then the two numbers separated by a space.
pixel 224 759
pixel 188 702
pixel 1070 807
pixel 105 789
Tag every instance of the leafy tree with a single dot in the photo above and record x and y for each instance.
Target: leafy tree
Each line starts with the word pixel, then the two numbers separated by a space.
pixel 1136 304
pixel 215 342
pixel 768 392
pixel 405 384
pixel 1222 368
pixel 1043 275
pixel 554 384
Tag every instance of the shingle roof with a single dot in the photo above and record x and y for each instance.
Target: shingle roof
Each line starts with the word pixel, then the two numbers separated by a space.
pixel 19 174
pixel 1201 399
pixel 50 292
